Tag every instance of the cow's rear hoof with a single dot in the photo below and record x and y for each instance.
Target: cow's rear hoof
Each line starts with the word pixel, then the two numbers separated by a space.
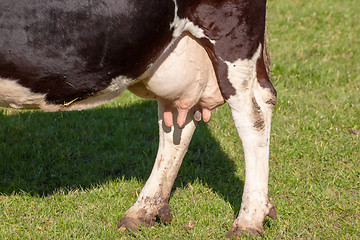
pixel 238 232
pixel 164 214
pixel 132 224
pixel 135 219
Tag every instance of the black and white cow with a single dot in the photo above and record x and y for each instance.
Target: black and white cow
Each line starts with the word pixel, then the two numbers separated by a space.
pixel 189 55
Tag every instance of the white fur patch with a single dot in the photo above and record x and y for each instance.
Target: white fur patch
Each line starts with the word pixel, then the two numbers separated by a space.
pixel 16 96
pixel 243 70
pixel 181 25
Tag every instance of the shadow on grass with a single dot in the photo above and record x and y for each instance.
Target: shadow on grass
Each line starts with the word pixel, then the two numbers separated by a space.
pixel 43 152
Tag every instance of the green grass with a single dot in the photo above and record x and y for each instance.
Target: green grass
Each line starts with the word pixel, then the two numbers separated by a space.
pixel 72 175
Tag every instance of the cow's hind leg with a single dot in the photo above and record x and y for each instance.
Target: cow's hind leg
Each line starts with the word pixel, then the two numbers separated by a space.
pixel 153 199
pixel 251 108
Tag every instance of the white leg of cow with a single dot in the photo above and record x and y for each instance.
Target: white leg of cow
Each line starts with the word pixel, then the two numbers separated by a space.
pixel 252 109
pixel 153 199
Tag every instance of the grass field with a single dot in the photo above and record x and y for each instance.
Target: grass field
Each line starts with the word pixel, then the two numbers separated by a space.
pixel 72 175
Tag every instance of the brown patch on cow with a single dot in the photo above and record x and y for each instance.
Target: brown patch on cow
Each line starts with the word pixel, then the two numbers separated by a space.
pixel 259 122
pixel 262 74
pixel 272 101
pixel 263 70
pixel 221 70
pixel 266 53
pixel 226 88
pixel 237 29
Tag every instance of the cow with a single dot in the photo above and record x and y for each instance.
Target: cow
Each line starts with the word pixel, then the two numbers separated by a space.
pixel 191 56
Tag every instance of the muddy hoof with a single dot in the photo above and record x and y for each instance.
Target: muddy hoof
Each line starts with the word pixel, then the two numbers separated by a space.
pixel 134 218
pixel 238 232
pixel 132 224
pixel 164 214
pixel 272 213
pixel 128 224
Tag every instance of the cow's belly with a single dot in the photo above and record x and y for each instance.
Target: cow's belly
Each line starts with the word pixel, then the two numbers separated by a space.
pixel 14 95
pixel 181 80
pixel 185 79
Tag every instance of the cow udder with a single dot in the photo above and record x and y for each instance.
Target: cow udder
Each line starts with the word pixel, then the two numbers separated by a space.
pixel 184 80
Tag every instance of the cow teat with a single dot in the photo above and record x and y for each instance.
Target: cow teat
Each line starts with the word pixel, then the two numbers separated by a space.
pixel 198 115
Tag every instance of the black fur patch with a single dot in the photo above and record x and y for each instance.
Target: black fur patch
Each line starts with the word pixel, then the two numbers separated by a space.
pixel 72 49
